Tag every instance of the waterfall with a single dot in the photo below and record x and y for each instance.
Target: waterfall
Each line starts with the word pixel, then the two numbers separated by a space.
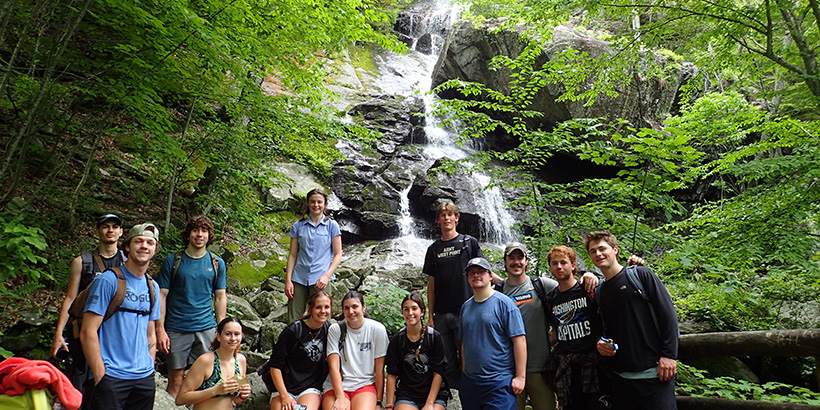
pixel 411 74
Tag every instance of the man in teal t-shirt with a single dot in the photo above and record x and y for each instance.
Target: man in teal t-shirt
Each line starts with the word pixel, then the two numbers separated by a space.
pixel 191 297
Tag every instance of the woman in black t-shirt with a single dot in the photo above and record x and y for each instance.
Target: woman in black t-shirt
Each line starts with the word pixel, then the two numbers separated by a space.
pixel 416 363
pixel 298 365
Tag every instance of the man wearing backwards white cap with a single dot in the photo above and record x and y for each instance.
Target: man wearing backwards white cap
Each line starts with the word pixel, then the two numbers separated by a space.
pixel 121 350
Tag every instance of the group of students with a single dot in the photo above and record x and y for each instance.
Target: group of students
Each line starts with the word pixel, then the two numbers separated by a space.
pixel 487 336
pixel 341 366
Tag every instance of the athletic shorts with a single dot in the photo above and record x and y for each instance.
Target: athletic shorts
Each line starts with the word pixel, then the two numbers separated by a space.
pixel 370 388
pixel 186 347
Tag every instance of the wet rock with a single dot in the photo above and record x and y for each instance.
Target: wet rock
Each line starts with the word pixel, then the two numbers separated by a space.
pixel 244 310
pixel 425 44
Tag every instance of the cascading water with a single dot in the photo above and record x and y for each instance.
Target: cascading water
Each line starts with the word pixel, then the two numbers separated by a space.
pixel 411 74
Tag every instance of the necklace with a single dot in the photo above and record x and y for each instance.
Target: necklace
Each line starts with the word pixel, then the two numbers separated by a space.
pixel 314 334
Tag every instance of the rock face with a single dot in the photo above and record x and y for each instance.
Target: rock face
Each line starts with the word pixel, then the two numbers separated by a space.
pixel 289 195
pixel 369 182
pixel 644 102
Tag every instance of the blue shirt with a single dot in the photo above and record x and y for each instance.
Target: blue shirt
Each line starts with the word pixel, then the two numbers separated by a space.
pixel 315 249
pixel 487 329
pixel 124 336
pixel 189 305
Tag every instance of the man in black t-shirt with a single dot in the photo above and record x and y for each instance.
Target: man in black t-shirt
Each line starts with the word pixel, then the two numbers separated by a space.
pixel 579 383
pixel 644 325
pixel 447 287
pixel 82 271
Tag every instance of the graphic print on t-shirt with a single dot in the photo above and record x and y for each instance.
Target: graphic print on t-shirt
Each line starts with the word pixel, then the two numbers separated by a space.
pixel 572 324
pixel 522 298
pixel 365 346
pixel 315 350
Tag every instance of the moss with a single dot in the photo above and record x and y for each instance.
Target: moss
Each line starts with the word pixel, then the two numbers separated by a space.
pixel 280 222
pixel 361 57
pixel 248 275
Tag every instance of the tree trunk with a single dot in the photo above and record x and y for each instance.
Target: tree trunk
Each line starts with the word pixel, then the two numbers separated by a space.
pixel 698 403
pixel 769 343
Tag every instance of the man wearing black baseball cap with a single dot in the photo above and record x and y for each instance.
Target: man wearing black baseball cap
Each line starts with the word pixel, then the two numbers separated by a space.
pixel 82 272
pixel 494 345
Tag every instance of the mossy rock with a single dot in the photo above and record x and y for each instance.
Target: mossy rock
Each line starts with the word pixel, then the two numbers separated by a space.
pixel 250 273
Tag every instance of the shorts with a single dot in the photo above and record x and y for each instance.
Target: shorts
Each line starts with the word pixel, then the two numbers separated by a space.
pixel 186 347
pixel 299 396
pixel 370 388
pixel 442 403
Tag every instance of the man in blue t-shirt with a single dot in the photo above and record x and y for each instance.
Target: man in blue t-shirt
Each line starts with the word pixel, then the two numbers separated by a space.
pixel 494 345
pixel 120 351
pixel 191 297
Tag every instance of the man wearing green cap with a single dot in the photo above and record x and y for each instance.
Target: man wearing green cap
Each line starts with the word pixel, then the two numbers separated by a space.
pixel 120 351
pixel 83 270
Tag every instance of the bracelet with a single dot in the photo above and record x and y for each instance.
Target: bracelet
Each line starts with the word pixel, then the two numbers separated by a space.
pixel 388 406
pixel 379 403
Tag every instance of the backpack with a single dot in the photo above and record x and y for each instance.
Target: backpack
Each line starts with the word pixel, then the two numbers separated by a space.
pixel 93 265
pixel 632 276
pixel 178 261
pixel 264 370
pixel 75 311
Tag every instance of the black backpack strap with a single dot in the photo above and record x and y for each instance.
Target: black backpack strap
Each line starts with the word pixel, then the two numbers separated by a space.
pixel 635 281
pixel 177 261
pixel 215 262
pixel 542 295
pixel 342 337
pixel 499 286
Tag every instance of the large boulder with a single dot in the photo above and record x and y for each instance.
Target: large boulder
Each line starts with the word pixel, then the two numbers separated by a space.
pixel 289 192
pixel 644 102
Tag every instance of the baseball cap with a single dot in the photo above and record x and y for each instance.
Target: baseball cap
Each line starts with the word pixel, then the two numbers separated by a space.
pixel 481 262
pixel 515 246
pixel 103 218
pixel 147 229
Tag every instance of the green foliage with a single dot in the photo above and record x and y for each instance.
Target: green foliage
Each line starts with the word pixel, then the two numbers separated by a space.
pixel 5 354
pixel 724 193
pixel 733 43
pixel 384 305
pixel 21 245
pixel 696 383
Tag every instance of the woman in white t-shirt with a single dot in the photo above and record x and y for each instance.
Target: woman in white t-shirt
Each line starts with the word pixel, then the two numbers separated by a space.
pixel 356 363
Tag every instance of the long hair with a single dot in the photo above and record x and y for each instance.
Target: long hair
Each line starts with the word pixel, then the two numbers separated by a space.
pixel 415 297
pixel 221 327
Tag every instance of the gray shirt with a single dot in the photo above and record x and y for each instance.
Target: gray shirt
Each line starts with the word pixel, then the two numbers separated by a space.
pixel 532 311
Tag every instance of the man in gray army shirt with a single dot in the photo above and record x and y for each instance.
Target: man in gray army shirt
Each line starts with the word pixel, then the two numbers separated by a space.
pixel 521 289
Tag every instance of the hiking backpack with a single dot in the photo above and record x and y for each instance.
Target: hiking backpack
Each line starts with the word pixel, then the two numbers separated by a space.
pixel 538 286
pixel 75 311
pixel 178 261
